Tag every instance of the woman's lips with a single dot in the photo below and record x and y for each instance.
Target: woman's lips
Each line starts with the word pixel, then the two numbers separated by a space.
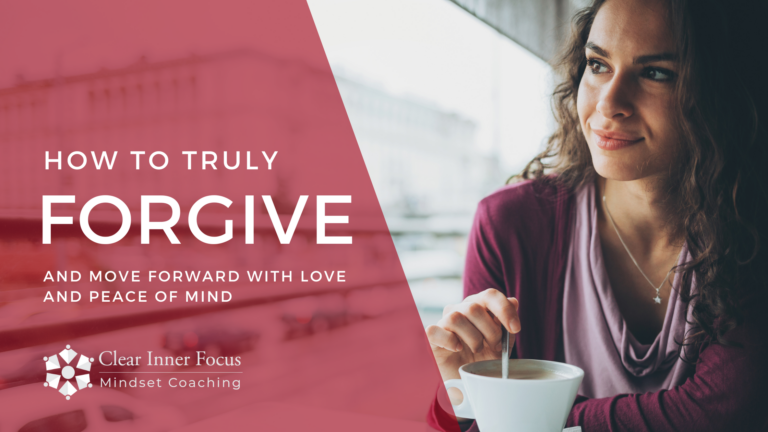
pixel 608 140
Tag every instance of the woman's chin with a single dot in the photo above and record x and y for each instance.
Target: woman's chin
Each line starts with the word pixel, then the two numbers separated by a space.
pixel 619 171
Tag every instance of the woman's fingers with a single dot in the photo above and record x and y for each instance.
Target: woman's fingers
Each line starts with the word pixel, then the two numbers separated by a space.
pixel 457 323
pixel 442 338
pixel 505 309
pixel 483 321
pixel 474 321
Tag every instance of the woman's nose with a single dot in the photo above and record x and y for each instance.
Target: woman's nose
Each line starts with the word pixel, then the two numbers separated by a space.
pixel 615 101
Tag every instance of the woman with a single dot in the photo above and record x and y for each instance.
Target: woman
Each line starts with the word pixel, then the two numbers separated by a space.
pixel 642 257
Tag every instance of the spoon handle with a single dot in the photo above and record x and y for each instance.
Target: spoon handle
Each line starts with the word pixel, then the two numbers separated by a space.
pixel 504 353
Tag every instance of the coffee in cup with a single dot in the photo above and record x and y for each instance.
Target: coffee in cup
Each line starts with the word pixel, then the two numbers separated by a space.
pixel 532 373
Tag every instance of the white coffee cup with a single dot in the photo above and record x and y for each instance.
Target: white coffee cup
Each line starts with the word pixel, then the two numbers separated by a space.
pixel 520 405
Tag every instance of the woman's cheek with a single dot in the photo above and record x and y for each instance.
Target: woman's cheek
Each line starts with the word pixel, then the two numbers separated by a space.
pixel 584 104
pixel 662 126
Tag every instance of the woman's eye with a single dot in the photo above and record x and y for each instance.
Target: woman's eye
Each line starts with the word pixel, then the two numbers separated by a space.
pixel 659 74
pixel 596 67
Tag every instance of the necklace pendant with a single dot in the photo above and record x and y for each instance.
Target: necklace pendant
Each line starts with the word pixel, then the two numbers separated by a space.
pixel 657 299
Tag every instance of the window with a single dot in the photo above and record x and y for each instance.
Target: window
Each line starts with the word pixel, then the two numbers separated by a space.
pixel 476 110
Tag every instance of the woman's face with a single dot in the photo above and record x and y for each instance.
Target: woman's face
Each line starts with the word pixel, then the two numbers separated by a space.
pixel 625 100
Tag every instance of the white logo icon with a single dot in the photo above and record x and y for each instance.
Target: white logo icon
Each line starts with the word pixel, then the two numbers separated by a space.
pixel 68 372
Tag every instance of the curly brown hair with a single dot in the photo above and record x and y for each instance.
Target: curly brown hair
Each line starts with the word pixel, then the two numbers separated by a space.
pixel 718 192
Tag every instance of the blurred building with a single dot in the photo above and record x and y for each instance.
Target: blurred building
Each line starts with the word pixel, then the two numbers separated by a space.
pixel 172 105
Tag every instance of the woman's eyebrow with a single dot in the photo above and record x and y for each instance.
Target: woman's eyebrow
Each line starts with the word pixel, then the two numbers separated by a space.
pixel 650 58
pixel 599 51
pixel 655 57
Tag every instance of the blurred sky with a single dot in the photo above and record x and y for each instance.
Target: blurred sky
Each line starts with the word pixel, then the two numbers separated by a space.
pixel 434 51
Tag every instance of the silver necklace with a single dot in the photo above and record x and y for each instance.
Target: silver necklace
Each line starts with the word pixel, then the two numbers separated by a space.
pixel 657 299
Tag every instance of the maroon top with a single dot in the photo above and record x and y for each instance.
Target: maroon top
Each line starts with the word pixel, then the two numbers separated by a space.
pixel 519 244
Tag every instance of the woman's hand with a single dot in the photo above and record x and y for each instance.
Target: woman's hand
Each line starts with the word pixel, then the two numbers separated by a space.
pixel 471 331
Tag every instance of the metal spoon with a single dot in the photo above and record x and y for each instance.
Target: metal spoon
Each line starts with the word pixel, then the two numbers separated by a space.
pixel 504 353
